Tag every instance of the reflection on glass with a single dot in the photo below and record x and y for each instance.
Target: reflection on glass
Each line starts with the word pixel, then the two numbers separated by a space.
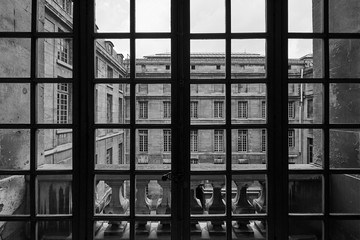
pixel 344 229
pixel 344 148
pixel 152 16
pixel 106 230
pixel 15 57
pixel 305 229
pixel 18 230
pixel 208 150
pixel 207 194
pixel 14 103
pixel 343 17
pixel 344 103
pixel 305 59
pixel 345 185
pixel 305 103
pixel 112 194
pixel 305 193
pixel 112 58
pixel 248 58
pixel 15 16
pixel 207 59
pixel 249 147
pixel 248 103
pixel 305 149
pixel 153 195
pixel 153 230
pixel 108 12
pixel 208 230
pixel 54 230
pixel 14 149
pixel 248 15
pixel 55 16
pixel 207 16
pixel 54 103
pixel 305 15
pixel 54 194
pixel 14 195
pixel 249 229
pixel 54 149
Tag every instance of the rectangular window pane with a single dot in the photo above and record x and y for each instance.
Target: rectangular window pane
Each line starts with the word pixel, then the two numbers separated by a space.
pixel 344 229
pixel 252 17
pixel 16 16
pixel 310 229
pixel 15 197
pixel 61 19
pixel 167 109
pixel 162 229
pixel 109 11
pixel 207 16
pixel 305 15
pixel 343 17
pixel 54 229
pixel 344 103
pixel 152 16
pixel 107 229
pixel 344 185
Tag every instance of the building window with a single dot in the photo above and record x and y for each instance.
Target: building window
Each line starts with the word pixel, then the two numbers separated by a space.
pixel 109 156
pixel 242 109
pixel 110 72
pixel 193 109
pixel 218 140
pixel 242 140
pixel 242 88
pixel 120 110
pixel 120 152
pixel 167 140
pixel 167 109
pixel 310 148
pixel 192 67
pixel 263 140
pixel 193 140
pixel 109 108
pixel 218 67
pixel 263 109
pixel 310 108
pixel 291 138
pixel 167 67
pixel 64 53
pixel 218 109
pixel 143 140
pixel 143 109
pixel 291 109
pixel 62 103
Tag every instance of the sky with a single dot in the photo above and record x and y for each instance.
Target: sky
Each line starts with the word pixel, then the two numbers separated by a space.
pixel 205 16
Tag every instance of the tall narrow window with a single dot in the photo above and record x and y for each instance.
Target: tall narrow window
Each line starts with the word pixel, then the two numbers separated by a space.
pixel 167 140
pixel 310 149
pixel 310 109
pixel 120 113
pixel 291 109
pixel 109 156
pixel 218 109
pixel 143 140
pixel 291 138
pixel 263 109
pixel 167 109
pixel 193 140
pixel 62 103
pixel 242 140
pixel 243 109
pixel 120 153
pixel 109 108
pixel 143 109
pixel 218 140
pixel 193 109
pixel 64 53
pixel 263 140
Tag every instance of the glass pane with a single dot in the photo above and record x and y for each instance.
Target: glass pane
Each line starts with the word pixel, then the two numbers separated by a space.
pixel 54 194
pixel 106 230
pixel 344 229
pixel 112 16
pixel 15 230
pixel 208 150
pixel 54 149
pixel 153 195
pixel 306 149
pixel 248 15
pixel 206 195
pixel 249 149
pixel 305 58
pixel 55 16
pixel 153 149
pixel 344 58
pixel 207 16
pixel 305 15
pixel 305 103
pixel 248 58
pixel 112 103
pixel 207 59
pixel 14 103
pixel 112 58
pixel 14 195
pixel 344 148
pixel 208 230
pixel 343 16
pixel 207 104
pixel 248 194
pixel 249 229
pixel 112 194
pixel 55 58
pixel 305 229
pixel 153 58
pixel 54 230
pixel 153 16
pixel 15 16
pixel 14 149
pixel 54 103
pixel 305 189
pixel 345 193
pixel 248 103
pixel 15 57
pixel 153 103
pixel 112 149
pixel 344 103
pixel 153 230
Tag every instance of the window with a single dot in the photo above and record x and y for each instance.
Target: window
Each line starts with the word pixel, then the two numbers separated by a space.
pixel 143 109
pixel 192 67
pixel 167 67
pixel 218 109
pixel 218 140
pixel 120 116
pixel 291 109
pixel 193 109
pixel 64 53
pixel 109 108
pixel 110 72
pixel 193 140
pixel 143 140
pixel 120 153
pixel 167 109
pixel 310 108
pixel 310 149
pixel 242 109
pixel 263 140
pixel 62 108
pixel 291 138
pixel 218 67
pixel 242 140
pixel 167 140
pixel 109 156
pixel 263 109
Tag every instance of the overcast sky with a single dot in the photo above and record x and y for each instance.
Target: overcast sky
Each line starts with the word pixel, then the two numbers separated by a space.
pixel 205 16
